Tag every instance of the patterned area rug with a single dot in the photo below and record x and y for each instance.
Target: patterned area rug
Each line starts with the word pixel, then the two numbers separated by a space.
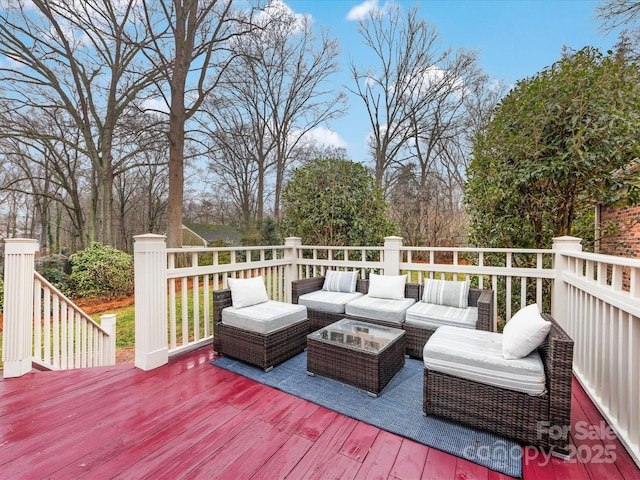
pixel 398 409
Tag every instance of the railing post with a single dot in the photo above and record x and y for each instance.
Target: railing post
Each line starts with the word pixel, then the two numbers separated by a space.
pixel 151 324
pixel 391 252
pixel 17 338
pixel 291 247
pixel 108 324
pixel 561 265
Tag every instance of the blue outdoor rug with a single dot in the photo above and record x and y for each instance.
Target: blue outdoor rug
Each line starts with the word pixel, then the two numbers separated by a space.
pixel 398 410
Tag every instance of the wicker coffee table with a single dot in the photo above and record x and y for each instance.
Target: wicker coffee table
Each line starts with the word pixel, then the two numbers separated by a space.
pixel 361 354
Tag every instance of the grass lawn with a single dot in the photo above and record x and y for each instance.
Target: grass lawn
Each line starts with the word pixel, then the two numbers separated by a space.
pixel 125 325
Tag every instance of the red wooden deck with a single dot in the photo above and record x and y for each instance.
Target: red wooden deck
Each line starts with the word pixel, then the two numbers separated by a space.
pixel 189 419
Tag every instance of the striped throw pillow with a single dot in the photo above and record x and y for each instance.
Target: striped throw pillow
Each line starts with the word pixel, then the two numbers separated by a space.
pixel 335 281
pixel 446 292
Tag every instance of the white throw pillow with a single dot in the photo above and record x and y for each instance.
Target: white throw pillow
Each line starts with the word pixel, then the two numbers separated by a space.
pixel 387 286
pixel 524 333
pixel 446 292
pixel 335 281
pixel 247 291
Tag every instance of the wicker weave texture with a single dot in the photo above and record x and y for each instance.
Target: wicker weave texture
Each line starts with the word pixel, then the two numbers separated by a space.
pixel 515 415
pixel 263 350
pixel 369 371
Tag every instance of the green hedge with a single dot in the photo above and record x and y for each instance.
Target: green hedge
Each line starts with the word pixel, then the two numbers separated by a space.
pixel 101 271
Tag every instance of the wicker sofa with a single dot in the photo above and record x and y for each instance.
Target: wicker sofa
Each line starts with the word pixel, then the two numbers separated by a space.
pixel 523 417
pixel 416 336
pixel 262 349
pixel 320 318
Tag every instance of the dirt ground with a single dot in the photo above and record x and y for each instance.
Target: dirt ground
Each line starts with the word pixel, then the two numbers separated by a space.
pixel 92 306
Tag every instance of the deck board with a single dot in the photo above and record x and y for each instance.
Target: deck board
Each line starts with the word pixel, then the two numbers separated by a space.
pixel 188 419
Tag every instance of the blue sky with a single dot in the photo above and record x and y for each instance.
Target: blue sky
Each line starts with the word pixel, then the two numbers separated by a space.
pixel 515 39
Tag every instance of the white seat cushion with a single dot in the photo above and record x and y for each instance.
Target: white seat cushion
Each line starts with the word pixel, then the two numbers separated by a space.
pixel 431 316
pixel 477 355
pixel 332 302
pixel 384 309
pixel 266 317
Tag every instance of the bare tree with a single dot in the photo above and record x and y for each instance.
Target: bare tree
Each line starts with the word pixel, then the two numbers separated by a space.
pixel 190 51
pixel 41 145
pixel 273 96
pixel 626 14
pixel 393 92
pixel 424 103
pixel 616 13
pixel 80 58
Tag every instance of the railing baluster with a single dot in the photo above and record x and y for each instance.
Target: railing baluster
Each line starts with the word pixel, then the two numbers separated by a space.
pixel 185 310
pixel 37 323
pixel 63 336
pixel 46 327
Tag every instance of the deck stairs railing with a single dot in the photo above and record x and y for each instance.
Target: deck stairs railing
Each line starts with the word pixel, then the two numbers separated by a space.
pixel 43 329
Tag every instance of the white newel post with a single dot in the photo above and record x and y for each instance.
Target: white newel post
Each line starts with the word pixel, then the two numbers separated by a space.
pixel 19 255
pixel 391 259
pixel 150 265
pixel 292 245
pixel 561 265
pixel 108 324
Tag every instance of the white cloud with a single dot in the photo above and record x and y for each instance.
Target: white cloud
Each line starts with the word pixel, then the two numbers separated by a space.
pixel 328 138
pixel 155 105
pixel 366 8
pixel 279 9
pixel 361 11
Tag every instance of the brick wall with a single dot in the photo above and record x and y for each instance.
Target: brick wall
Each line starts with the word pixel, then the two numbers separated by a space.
pixel 625 238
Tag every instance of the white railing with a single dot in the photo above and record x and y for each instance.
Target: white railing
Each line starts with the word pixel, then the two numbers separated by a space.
pixel 42 328
pixel 603 318
pixel 584 292
pixel 178 285
pixel 522 276
pixel 596 298
pixel 64 336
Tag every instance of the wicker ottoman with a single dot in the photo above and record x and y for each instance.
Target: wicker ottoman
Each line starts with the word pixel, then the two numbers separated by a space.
pixel 361 354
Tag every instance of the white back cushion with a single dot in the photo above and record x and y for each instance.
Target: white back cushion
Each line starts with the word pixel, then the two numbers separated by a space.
pixel 524 332
pixel 247 291
pixel 387 286
pixel 335 281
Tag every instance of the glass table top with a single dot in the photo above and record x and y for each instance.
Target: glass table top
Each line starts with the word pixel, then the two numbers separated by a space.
pixel 357 335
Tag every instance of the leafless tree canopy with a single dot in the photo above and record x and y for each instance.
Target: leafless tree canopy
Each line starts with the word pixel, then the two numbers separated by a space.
pixel 267 103
pixel 112 112
pixel 424 103
pixel 616 13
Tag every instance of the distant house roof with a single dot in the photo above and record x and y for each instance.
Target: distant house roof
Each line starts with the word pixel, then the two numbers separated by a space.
pixel 207 235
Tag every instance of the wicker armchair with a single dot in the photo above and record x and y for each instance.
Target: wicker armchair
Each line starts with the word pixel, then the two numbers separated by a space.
pixel 263 350
pixel 516 415
pixel 483 299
